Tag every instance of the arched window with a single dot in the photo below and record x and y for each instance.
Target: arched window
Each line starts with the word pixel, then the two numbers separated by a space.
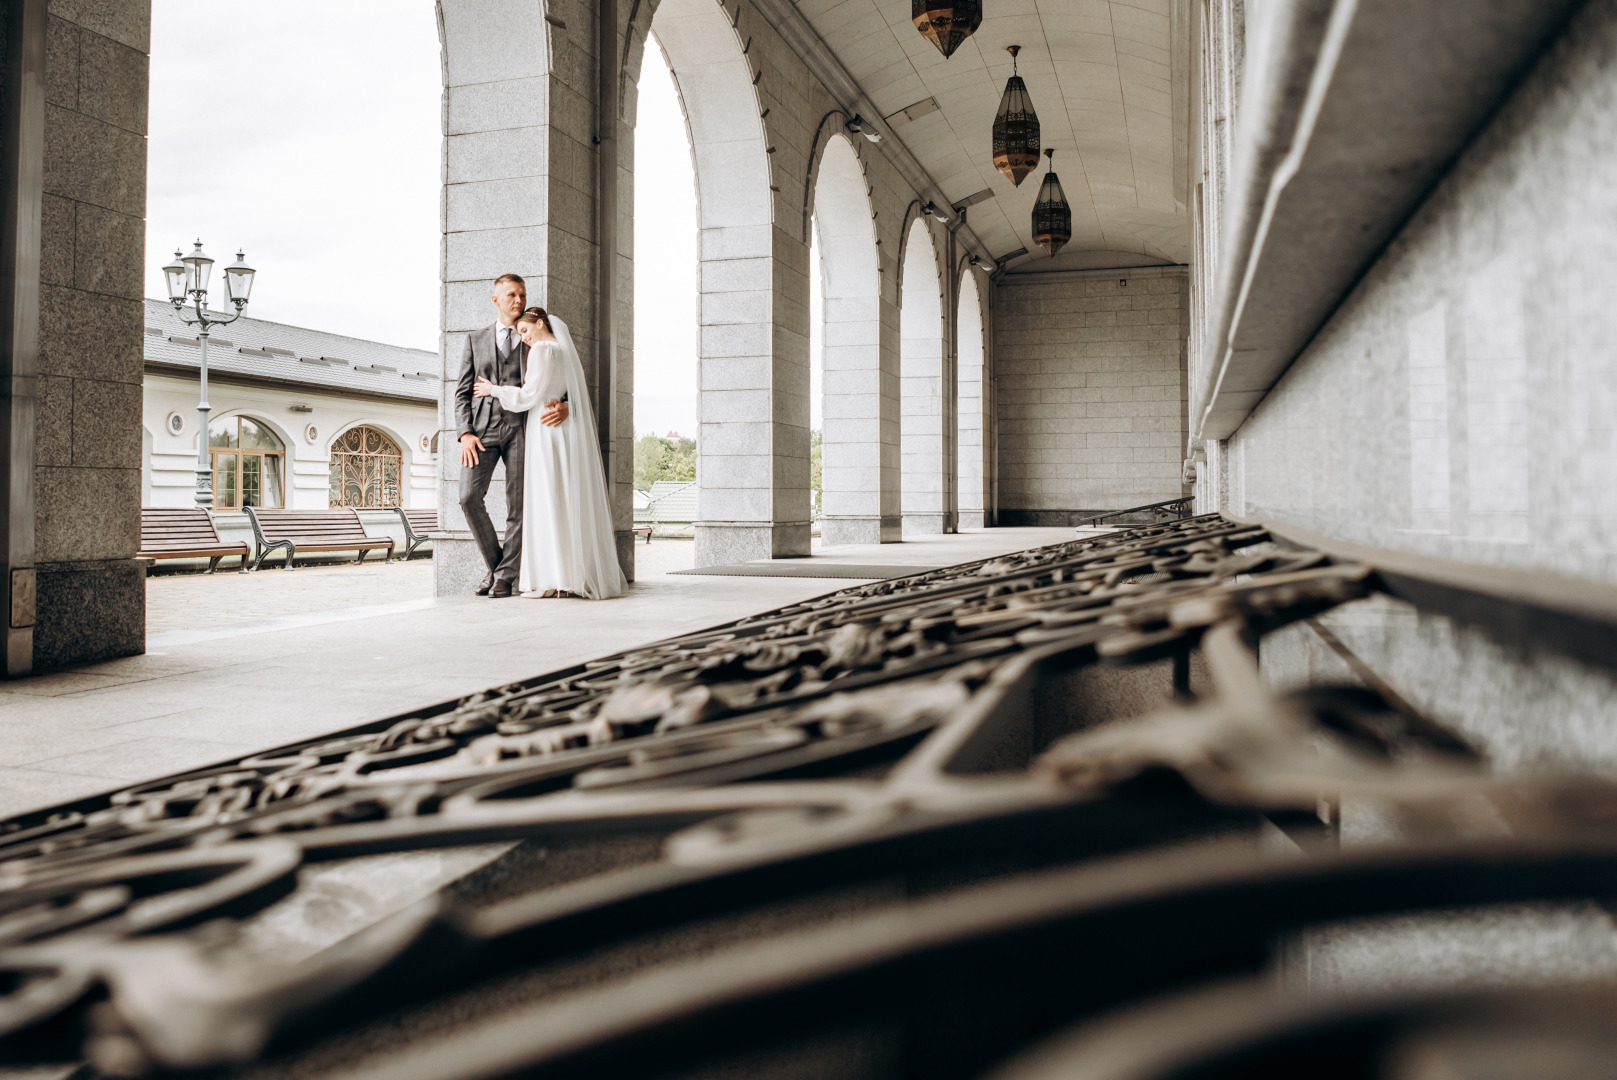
pixel 365 470
pixel 249 464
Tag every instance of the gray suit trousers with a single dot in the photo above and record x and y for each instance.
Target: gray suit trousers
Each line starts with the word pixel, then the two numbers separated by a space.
pixel 502 559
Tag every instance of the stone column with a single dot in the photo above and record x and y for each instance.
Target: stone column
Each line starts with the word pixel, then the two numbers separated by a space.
pixel 860 462
pixel 973 417
pixel 520 182
pixel 752 340
pixel 91 597
pixel 924 374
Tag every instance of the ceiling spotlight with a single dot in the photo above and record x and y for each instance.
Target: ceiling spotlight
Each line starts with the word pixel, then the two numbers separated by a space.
pixel 930 209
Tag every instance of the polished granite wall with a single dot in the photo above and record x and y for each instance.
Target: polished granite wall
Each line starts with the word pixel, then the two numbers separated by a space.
pixel 1463 400
pixel 91 599
pixel 1463 403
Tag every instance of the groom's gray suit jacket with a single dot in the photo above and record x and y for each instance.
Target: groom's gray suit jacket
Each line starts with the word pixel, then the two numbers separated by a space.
pixel 502 436
pixel 483 417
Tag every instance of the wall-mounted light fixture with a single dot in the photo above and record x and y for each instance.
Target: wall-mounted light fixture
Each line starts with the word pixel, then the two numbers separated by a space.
pixel 860 126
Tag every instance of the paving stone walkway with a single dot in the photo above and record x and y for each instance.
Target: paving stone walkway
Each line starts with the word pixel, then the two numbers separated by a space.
pixel 241 663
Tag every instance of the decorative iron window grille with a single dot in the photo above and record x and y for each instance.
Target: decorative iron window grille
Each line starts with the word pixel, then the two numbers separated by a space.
pixel 249 464
pixel 365 470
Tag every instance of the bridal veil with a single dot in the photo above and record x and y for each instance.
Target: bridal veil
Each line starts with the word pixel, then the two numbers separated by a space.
pixel 595 549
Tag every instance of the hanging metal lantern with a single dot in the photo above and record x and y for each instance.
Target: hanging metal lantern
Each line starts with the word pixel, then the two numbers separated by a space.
pixel 1016 128
pixel 946 23
pixel 1052 217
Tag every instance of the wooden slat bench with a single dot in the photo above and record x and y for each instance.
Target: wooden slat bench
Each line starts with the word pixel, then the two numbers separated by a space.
pixel 419 527
pixel 185 532
pixel 337 529
pixel 643 530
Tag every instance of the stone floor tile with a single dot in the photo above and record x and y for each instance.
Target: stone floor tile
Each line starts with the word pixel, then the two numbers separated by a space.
pixel 61 683
pixel 146 758
pixel 106 707
pixel 22 790
pixel 256 668
pixel 29 742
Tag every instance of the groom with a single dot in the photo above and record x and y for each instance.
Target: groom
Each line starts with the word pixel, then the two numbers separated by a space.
pixel 489 434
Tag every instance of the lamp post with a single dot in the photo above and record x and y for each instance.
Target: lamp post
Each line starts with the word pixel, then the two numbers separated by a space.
pixel 188 281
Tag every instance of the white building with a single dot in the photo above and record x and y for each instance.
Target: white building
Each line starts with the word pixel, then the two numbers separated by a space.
pixel 300 418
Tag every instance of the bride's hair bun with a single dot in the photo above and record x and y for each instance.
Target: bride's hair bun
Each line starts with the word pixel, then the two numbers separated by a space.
pixel 537 314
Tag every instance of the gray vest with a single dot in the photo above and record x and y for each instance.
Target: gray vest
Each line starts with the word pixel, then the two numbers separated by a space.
pixel 508 371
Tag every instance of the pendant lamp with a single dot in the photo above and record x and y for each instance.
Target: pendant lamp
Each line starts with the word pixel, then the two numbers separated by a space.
pixel 1016 128
pixel 1052 217
pixel 946 23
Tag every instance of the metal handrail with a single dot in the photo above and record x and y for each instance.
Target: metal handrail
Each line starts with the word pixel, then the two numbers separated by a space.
pixel 1182 503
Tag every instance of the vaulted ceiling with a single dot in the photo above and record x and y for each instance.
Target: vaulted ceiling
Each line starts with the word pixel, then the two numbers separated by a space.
pixel 1110 81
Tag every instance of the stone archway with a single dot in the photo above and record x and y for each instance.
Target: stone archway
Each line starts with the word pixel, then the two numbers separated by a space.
pixel 927 479
pixel 753 441
pixel 861 456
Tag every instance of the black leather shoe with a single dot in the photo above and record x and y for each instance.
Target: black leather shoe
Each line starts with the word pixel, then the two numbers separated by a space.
pixel 486 585
pixel 501 588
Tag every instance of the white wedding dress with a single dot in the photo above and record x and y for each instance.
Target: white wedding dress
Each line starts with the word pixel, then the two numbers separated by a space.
pixel 567 540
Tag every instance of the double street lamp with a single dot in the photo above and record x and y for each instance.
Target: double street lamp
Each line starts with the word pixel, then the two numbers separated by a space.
pixel 188 282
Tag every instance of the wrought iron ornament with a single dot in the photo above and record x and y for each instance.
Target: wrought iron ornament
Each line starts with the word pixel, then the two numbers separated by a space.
pixel 366 467
pixel 1016 128
pixel 946 23
pixel 1052 217
pixel 959 751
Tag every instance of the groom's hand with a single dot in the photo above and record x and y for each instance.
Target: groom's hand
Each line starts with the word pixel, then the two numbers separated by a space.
pixel 470 445
pixel 554 414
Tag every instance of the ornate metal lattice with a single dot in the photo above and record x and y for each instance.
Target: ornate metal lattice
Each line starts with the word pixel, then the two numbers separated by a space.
pixel 985 762
pixel 366 467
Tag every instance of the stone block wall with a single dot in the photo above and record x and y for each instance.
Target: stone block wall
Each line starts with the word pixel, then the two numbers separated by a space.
pixel 91 589
pixel 1089 368
pixel 1463 400
pixel 520 175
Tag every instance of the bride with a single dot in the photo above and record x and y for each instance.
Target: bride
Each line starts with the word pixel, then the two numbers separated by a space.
pixel 567 543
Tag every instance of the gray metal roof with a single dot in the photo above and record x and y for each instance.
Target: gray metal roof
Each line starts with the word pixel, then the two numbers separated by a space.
pixel 672 501
pixel 274 352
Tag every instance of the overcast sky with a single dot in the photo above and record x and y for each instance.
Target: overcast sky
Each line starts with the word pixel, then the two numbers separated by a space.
pixel 307 132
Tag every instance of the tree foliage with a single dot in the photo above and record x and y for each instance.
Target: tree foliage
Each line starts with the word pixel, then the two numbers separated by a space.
pixel 657 458
pixel 816 440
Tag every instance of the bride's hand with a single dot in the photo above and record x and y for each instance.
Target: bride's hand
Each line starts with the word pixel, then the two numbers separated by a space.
pixel 482 388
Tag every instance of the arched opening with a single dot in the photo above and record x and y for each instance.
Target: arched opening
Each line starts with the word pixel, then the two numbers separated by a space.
pixel 923 381
pixel 860 450
pixel 971 434
pixel 666 369
pixel 366 470
pixel 753 414
pixel 249 463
